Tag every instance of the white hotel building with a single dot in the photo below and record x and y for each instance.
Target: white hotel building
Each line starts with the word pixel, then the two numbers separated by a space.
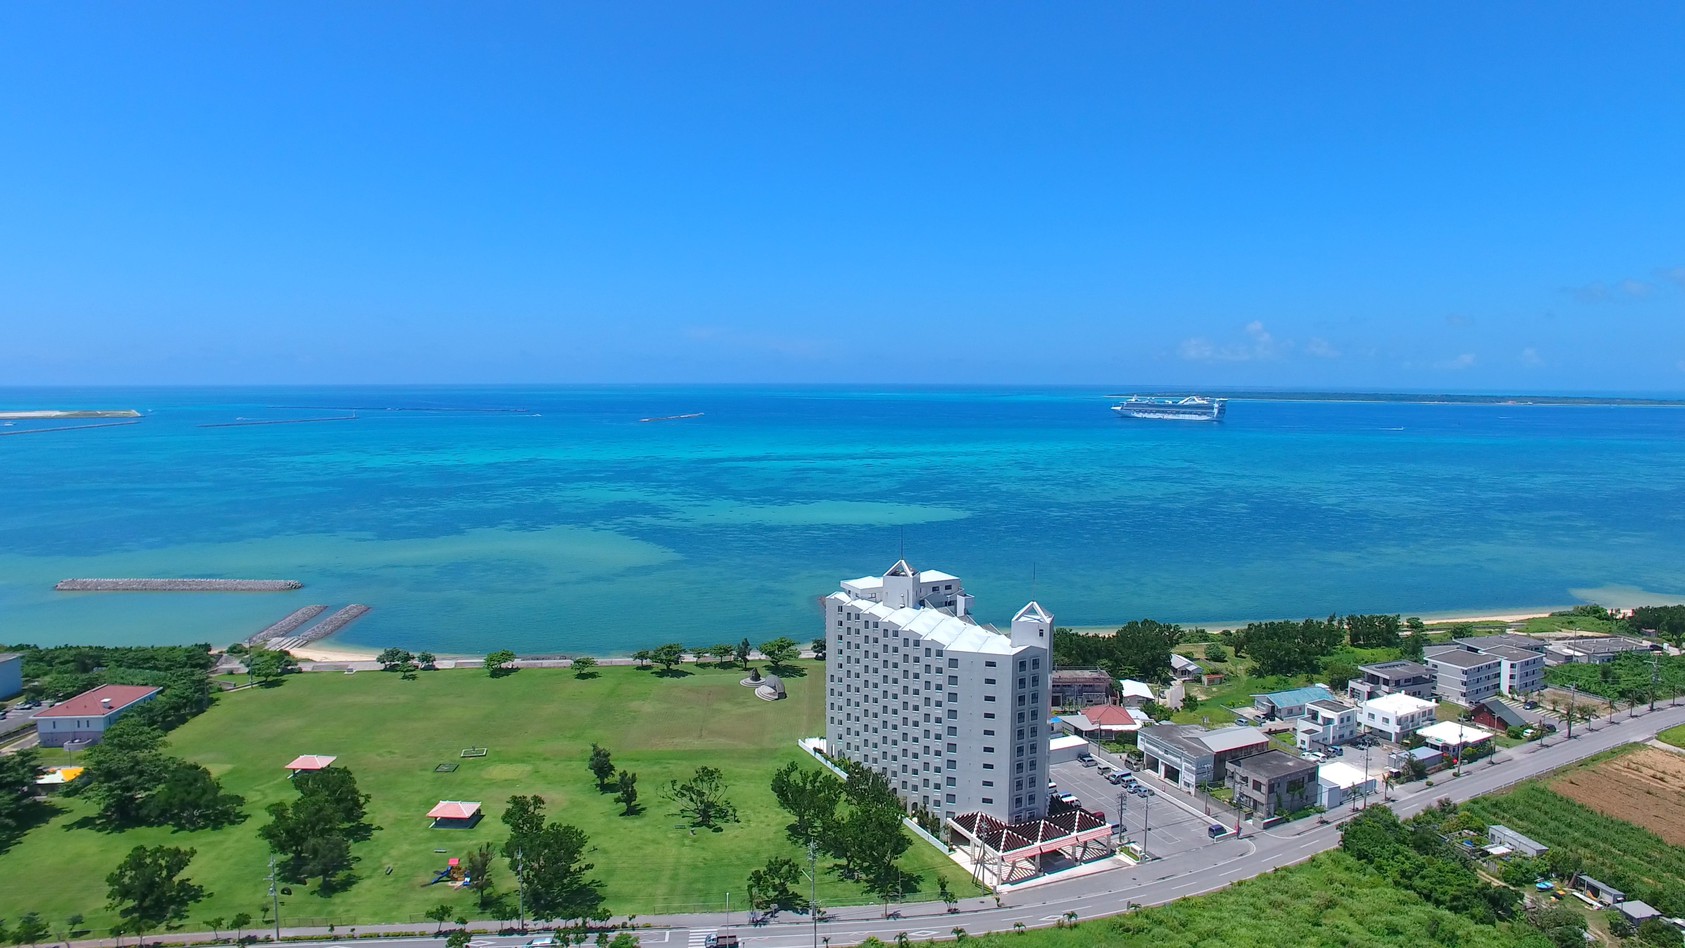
pixel 954 713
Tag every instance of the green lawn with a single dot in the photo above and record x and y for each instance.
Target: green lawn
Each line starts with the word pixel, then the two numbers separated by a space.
pixel 1674 736
pixel 539 725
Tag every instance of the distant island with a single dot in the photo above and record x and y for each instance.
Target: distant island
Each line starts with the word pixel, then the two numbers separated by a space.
pixel 79 413
pixel 1421 399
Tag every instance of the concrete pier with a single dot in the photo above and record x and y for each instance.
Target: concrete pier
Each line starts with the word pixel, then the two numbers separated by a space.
pixel 297 618
pixel 323 629
pixel 178 585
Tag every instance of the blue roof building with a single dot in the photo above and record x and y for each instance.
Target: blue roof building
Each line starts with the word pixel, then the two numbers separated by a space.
pixel 1290 705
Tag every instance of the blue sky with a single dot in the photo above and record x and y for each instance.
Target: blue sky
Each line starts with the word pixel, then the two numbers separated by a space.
pixel 1441 196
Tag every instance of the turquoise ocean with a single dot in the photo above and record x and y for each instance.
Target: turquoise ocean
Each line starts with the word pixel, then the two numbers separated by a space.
pixel 551 520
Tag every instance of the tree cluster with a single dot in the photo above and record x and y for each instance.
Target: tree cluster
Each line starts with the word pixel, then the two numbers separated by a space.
pixel 268 666
pixel 857 822
pixel 500 663
pixel 17 783
pixel 134 783
pixel 1284 647
pixel 1139 650
pixel 313 834
pixel 1373 631
pixel 1666 622
pixel 402 661
pixel 1415 855
pixel 547 859
pixel 146 888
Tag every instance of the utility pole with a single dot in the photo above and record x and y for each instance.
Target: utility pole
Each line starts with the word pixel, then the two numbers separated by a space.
pixel 1573 693
pixel 274 897
pixel 728 910
pixel 1366 744
pixel 813 890
pixel 1655 674
pixel 520 891
pixel 1146 824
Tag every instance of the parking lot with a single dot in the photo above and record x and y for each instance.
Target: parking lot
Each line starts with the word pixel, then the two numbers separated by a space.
pixel 1174 827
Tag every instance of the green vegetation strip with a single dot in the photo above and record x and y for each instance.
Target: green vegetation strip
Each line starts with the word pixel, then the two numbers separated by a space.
pixel 540 725
pixel 1673 735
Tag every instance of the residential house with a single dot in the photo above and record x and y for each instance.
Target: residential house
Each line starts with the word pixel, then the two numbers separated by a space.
pixel 1426 756
pixel 1102 722
pixel 1184 667
pixel 1396 716
pixel 1133 694
pixel 85 718
pixel 1387 678
pixel 1191 756
pixel 1465 678
pixel 1592 650
pixel 1498 716
pixel 1273 783
pixel 1289 705
pixel 1637 911
pixel 1339 782
pixel 1325 724
pixel 1453 738
pixel 1077 688
pixel 1501 835
pixel 11 675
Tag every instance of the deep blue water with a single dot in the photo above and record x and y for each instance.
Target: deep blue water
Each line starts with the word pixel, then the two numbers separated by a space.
pixel 574 528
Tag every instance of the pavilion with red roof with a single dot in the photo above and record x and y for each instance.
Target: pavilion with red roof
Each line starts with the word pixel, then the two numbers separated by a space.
pixel 1014 852
pixel 455 814
pixel 308 762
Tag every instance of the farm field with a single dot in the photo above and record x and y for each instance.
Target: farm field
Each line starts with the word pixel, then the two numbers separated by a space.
pixel 1331 900
pixel 538 726
pixel 1620 853
pixel 1642 787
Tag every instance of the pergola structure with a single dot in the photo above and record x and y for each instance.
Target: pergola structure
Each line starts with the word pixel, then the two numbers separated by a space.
pixel 307 762
pixel 455 814
pixel 1012 852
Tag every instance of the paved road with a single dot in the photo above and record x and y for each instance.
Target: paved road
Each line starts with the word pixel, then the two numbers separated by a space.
pixel 1202 869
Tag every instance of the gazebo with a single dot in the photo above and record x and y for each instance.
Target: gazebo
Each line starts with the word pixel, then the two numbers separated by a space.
pixel 308 762
pixel 455 814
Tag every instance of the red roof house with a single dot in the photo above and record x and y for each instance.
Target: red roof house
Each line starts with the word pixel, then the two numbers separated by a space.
pixel 84 719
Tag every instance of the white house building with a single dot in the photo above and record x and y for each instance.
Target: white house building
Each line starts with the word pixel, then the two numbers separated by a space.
pixel 1396 715
pixel 86 717
pixel 1339 782
pixel 11 675
pixel 954 713
pixel 1325 724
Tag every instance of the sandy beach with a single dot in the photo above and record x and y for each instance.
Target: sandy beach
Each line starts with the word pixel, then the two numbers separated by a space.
pixel 328 652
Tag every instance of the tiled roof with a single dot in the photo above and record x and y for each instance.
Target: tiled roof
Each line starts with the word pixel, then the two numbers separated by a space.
pixel 454 810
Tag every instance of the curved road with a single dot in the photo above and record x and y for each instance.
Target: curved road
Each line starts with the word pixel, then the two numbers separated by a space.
pixel 1102 893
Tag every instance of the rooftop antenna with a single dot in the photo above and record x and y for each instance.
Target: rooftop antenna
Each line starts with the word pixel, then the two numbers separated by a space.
pixel 1032 580
pixel 903 553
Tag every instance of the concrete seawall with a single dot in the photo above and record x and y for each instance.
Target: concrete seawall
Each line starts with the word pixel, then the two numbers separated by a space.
pixel 178 585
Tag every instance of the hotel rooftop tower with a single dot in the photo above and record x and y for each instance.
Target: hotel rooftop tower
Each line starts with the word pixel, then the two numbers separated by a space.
pixel 954 713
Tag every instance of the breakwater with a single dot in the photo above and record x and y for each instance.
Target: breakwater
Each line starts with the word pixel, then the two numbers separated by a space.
pixel 323 629
pixel 277 421
pixel 108 424
pixel 295 619
pixel 177 585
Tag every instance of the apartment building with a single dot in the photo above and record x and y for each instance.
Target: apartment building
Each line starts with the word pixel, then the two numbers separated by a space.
pixel 1521 671
pixel 1465 678
pixel 954 713
pixel 1388 678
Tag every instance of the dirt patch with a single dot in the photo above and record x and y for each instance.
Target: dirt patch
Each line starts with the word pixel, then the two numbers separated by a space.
pixel 1642 788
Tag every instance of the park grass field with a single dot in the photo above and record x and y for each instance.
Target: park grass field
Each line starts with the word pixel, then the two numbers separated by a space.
pixel 1673 735
pixel 538 725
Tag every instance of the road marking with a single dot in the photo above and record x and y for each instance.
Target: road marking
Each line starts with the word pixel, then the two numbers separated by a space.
pixel 924 933
pixel 699 937
pixel 481 943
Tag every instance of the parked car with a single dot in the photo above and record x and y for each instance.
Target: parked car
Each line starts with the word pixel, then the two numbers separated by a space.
pixel 1114 778
pixel 1216 831
pixel 1070 800
pixel 543 941
pixel 1085 757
